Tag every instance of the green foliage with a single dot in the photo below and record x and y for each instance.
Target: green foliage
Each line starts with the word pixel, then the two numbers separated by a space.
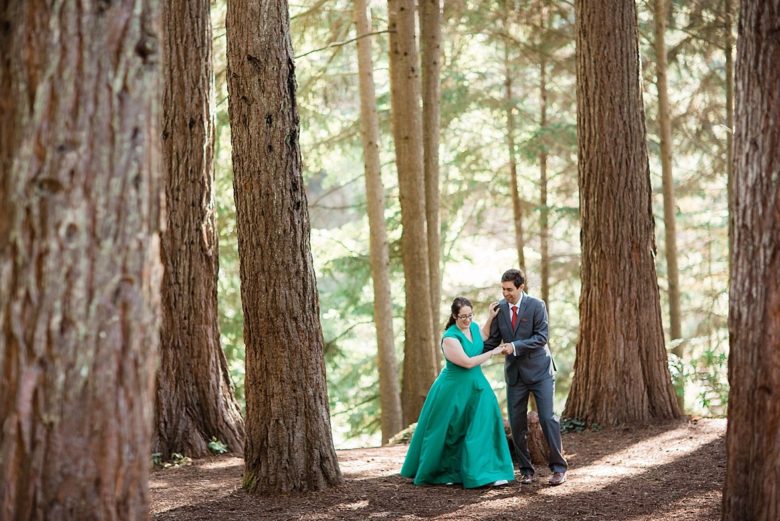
pixel 475 200
pixel 177 460
pixel 353 391
pixel 572 425
pixel 216 446
pixel 711 371
pixel 578 425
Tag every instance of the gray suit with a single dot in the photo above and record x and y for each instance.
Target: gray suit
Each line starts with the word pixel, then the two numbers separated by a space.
pixel 529 370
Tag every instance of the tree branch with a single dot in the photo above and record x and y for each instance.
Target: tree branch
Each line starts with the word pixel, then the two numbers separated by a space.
pixel 340 44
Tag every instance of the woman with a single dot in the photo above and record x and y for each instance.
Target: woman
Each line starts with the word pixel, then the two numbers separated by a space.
pixel 460 434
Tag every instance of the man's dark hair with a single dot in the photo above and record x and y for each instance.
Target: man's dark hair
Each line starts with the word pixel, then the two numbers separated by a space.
pixel 515 276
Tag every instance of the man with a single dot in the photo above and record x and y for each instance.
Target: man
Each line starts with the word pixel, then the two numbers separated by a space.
pixel 521 326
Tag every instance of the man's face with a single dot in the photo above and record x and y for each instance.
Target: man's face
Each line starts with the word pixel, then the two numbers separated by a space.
pixel 511 293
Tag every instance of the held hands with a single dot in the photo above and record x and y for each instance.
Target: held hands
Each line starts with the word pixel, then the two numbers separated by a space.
pixel 499 350
pixel 503 349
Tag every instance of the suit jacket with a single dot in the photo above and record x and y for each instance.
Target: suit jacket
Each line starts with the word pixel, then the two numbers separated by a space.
pixel 533 361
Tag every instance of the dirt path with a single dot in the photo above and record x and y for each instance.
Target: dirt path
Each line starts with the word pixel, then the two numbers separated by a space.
pixel 656 473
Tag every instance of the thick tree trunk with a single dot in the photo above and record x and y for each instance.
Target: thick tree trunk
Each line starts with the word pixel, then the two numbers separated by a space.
pixel 288 445
pixel 389 389
pixel 430 56
pixel 419 362
pixel 79 257
pixel 670 221
pixel 194 395
pixel 509 107
pixel 620 351
pixel 752 488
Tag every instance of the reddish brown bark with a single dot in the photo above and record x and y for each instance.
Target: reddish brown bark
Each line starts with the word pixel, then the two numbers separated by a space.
pixel 194 399
pixel 288 444
pixel 620 351
pixel 752 488
pixel 79 257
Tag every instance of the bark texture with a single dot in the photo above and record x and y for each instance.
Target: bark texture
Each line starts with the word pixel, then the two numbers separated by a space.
pixel 194 395
pixel 419 362
pixel 430 58
pixel 288 444
pixel 389 388
pixel 537 444
pixel 620 351
pixel 752 488
pixel 79 257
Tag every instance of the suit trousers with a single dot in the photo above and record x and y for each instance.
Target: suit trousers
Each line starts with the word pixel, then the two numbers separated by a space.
pixel 517 404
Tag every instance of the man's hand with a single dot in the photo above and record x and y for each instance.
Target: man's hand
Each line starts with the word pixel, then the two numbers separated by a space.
pixel 507 349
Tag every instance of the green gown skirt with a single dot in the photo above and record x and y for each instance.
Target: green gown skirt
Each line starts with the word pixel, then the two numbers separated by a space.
pixel 460 433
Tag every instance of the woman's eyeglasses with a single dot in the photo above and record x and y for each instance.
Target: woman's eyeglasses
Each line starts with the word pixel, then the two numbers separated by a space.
pixel 465 317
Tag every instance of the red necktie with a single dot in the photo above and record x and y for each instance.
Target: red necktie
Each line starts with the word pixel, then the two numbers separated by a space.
pixel 514 317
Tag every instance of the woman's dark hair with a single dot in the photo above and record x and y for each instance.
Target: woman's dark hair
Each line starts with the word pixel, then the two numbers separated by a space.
pixel 457 304
pixel 517 277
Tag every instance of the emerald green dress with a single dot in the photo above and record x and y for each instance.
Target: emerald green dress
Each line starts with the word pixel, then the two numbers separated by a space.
pixel 460 433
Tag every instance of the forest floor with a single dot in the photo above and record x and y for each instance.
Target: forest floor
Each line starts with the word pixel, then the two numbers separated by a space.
pixel 669 472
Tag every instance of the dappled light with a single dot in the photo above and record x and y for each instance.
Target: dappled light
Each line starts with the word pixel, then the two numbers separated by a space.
pixel 665 472
pixel 390 259
pixel 643 456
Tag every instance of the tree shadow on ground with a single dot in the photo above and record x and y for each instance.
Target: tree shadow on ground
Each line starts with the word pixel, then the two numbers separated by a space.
pixel 691 483
pixel 389 497
pixel 684 487
pixel 601 443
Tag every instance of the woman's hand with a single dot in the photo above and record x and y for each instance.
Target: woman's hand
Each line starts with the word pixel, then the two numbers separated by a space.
pixel 493 309
pixel 498 350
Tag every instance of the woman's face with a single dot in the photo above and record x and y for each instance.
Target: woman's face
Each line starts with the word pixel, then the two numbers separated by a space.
pixel 464 316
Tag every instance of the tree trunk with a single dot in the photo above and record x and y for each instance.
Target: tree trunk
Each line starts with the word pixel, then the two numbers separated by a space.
pixel 538 447
pixel 194 395
pixel 729 51
pixel 670 221
pixel 430 46
pixel 509 104
pixel 288 445
pixel 752 488
pixel 79 257
pixel 389 389
pixel 419 362
pixel 620 351
pixel 544 224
